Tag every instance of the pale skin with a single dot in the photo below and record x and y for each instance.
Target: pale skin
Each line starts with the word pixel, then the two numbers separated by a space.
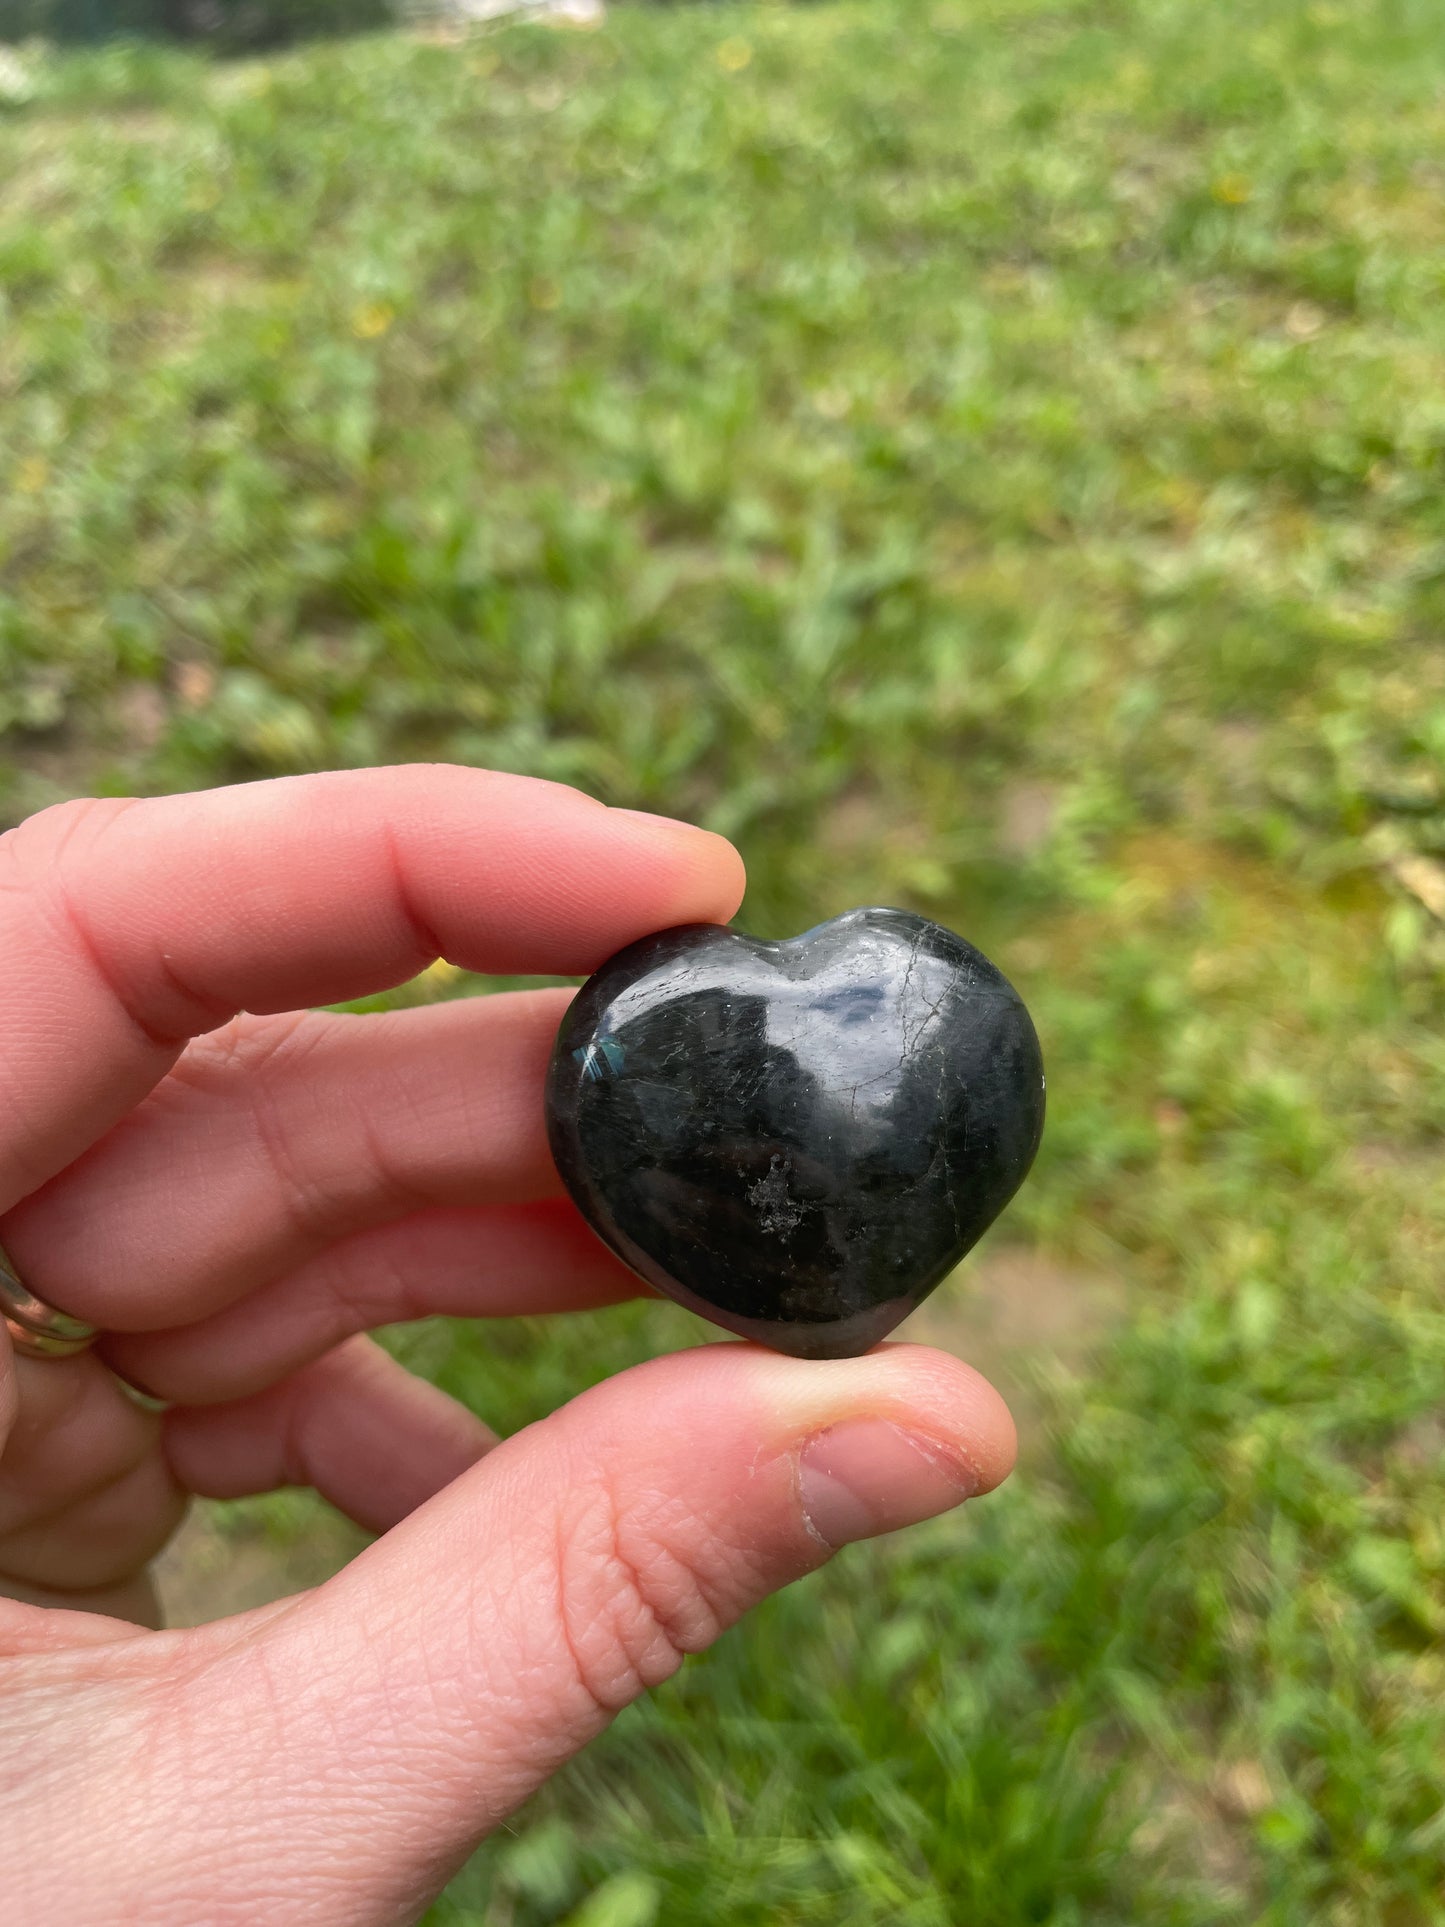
pixel 236 1199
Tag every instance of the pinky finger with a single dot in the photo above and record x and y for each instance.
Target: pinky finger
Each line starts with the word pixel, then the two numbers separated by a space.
pixel 369 1436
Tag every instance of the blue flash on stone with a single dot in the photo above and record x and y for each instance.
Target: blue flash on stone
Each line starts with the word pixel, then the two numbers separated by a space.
pixel 602 1058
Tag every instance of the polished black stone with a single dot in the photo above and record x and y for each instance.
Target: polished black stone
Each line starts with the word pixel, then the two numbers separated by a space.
pixel 797 1140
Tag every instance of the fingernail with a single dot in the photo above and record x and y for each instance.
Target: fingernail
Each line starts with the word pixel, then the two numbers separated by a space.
pixel 867 1476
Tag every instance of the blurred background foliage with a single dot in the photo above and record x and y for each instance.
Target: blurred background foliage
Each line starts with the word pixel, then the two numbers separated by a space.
pixel 226 26
pixel 985 455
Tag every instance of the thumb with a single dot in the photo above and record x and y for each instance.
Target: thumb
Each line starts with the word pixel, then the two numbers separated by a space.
pixel 385 1722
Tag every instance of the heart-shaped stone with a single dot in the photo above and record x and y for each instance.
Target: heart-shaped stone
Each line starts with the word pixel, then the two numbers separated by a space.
pixel 797 1140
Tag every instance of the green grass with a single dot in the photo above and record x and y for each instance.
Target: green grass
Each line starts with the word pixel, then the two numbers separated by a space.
pixel 866 428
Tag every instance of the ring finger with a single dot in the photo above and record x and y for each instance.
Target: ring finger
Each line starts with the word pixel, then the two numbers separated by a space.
pixel 494 1262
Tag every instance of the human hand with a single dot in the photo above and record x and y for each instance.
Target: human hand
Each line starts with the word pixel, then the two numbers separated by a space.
pixel 235 1211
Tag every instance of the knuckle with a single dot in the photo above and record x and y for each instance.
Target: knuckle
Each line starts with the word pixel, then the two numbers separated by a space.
pixel 103 1538
pixel 30 852
pixel 635 1591
pixel 255 1064
pixel 246 1046
pixel 37 856
pixel 354 1296
pixel 280 1072
pixel 76 1436
pixel 58 1394
pixel 54 864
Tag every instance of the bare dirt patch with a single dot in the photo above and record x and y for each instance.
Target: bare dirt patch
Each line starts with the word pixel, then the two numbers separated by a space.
pixel 1026 817
pixel 1014 1313
pixel 210 1569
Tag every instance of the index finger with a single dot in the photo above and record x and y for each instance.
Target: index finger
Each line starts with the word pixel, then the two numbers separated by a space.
pixel 128 927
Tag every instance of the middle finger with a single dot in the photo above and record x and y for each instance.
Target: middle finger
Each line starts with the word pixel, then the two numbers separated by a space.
pixel 274 1137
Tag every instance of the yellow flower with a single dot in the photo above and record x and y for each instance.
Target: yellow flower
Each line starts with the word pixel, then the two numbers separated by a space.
pixel 32 475
pixel 1233 190
pixel 439 974
pixel 734 55
pixel 371 319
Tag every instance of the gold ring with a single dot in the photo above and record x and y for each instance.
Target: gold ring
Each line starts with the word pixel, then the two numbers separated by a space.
pixel 38 1330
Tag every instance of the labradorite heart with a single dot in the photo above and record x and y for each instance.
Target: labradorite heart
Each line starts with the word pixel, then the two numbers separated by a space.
pixel 797 1140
